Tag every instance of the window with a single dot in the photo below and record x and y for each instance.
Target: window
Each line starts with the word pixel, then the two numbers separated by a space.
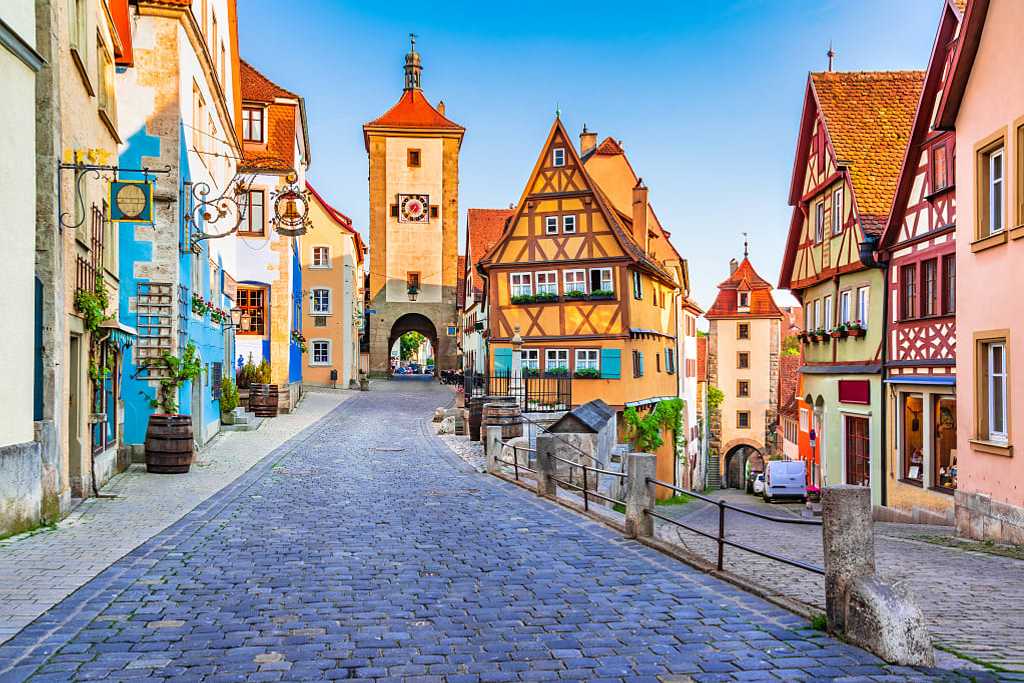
pixel 588 359
pixel 805 420
pixel 994 191
pixel 521 284
pixel 198 119
pixel 670 360
pixel 252 124
pixel 412 281
pixel 556 359
pixel 743 419
pixel 817 315
pixel 638 363
pixel 940 168
pixel 743 360
pixel 223 61
pixel 993 386
pixel 743 331
pixel 829 320
pixel 213 30
pixel 551 225
pixel 912 446
pixel 321 257
pixel 949 284
pixel 908 292
pixel 320 301
pixel 569 224
pixel 638 285
pixel 743 388
pixel 254 222
pixel 858 452
pixel 862 306
pixel 944 448
pixel 1020 174
pixel 251 301
pixel 743 300
pixel 844 307
pixel 809 318
pixel 929 287
pixel 412 158
pixel 105 85
pixel 558 156
pixel 531 359
pixel 434 211
pixel 547 282
pixel 394 210
pixel 819 222
pixel 837 210
pixel 601 280
pixel 77 24
pixel 657 362
pixel 575 281
pixel 321 352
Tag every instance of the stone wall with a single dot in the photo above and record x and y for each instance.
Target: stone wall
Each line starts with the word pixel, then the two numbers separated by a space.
pixel 21 487
pixel 983 519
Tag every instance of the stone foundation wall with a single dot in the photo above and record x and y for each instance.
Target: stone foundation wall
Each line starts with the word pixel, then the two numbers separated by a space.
pixel 21 487
pixel 983 519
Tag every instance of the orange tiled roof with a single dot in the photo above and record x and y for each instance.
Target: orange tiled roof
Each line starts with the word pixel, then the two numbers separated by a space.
pixel 609 146
pixel 789 380
pixel 258 88
pixel 278 151
pixel 414 111
pixel 868 115
pixel 484 227
pixel 762 305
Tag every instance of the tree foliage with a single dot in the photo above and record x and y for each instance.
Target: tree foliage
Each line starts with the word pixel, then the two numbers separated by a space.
pixel 645 432
pixel 715 399
pixel 178 371
pixel 791 346
pixel 410 344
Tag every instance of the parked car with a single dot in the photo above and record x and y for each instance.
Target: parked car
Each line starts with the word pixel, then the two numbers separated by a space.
pixel 785 479
pixel 759 483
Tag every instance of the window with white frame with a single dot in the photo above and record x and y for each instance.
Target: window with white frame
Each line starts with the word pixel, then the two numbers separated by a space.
pixel 601 280
pixel 558 156
pixel 995 191
pixel 321 352
pixel 568 224
pixel 993 391
pixel 252 124
pixel 551 225
pixel 588 359
pixel 837 211
pixel 743 299
pixel 556 359
pixel 531 359
pixel 809 317
pixel 828 320
pixel 320 299
pixel 844 307
pixel 521 284
pixel 575 281
pixel 638 285
pixel 547 282
pixel 862 306
pixel 819 222
pixel 321 257
pixel 817 315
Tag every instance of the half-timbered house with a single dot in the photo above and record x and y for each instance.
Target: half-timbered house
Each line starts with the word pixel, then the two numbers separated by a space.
pixel 853 134
pixel 920 359
pixel 584 287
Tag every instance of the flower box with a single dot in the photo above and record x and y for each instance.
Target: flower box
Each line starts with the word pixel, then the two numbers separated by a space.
pixel 855 332
pixel 587 373
pixel 601 294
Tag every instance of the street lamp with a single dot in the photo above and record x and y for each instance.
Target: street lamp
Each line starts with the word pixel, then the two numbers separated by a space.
pixel 236 317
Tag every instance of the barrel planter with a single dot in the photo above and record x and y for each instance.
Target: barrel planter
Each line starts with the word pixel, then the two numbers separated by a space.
pixel 505 415
pixel 169 446
pixel 263 400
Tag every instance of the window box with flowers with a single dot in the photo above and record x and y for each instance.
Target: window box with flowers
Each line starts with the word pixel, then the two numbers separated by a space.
pixel 854 329
pixel 557 372
pixel 575 295
pixel 602 294
pixel 541 298
pixel 199 305
pixel 299 340
pixel 838 332
pixel 587 373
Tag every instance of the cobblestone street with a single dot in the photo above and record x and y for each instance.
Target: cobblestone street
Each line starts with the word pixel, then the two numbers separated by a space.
pixel 363 548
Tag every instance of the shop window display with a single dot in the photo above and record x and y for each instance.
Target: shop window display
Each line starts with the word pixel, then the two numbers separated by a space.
pixel 913 438
pixel 944 411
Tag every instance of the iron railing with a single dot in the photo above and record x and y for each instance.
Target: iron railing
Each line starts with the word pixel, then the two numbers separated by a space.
pixel 584 489
pixel 515 458
pixel 720 538
pixel 534 394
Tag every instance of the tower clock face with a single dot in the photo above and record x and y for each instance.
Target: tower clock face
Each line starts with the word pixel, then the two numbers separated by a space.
pixel 413 208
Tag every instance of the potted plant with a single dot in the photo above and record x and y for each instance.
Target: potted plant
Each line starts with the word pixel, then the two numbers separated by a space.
pixel 228 401
pixel 300 340
pixel 169 447
pixel 855 329
pixel 544 297
pixel 575 295
pixel 531 372
pixel 557 372
pixel 263 396
pixel 587 373
pixel 523 299
pixel 838 332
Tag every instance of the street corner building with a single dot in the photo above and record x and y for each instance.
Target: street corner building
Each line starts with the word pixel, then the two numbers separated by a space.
pixel 853 135
pixel 413 151
pixel 585 276
pixel 484 227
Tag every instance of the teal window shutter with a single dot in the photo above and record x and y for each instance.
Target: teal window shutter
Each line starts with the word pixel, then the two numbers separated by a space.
pixel 502 361
pixel 611 363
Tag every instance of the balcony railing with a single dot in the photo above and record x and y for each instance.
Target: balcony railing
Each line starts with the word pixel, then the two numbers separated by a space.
pixel 535 394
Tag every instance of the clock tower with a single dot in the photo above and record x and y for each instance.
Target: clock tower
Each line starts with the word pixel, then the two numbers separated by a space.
pixel 413 152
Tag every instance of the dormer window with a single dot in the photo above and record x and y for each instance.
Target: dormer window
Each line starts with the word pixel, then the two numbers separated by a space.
pixel 743 300
pixel 558 156
pixel 252 124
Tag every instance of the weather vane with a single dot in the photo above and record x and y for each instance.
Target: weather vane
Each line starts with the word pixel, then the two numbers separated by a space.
pixel 745 249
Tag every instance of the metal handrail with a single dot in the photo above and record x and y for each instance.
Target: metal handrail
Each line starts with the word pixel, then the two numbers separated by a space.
pixel 720 538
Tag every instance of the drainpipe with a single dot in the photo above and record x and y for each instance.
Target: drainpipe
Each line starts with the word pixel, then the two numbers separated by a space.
pixel 872 259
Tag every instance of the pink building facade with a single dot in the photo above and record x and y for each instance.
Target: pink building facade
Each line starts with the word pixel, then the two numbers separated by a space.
pixel 984 104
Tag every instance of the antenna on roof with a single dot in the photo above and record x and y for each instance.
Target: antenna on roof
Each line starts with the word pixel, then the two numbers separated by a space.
pixel 746 246
pixel 831 55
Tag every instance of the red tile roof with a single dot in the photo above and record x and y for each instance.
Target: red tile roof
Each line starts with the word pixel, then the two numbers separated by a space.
pixel 609 146
pixel 868 116
pixel 484 227
pixel 414 111
pixel 278 152
pixel 789 382
pixel 745 278
pixel 702 358
pixel 258 88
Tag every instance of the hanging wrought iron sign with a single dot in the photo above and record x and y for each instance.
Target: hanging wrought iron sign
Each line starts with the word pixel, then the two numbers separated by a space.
pixel 131 201
pixel 223 213
pixel 291 209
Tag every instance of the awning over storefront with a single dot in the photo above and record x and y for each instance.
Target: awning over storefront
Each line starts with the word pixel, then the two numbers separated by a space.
pixel 118 333
pixel 938 379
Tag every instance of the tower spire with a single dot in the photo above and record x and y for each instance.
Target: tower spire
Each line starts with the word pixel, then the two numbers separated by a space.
pixel 413 66
pixel 831 55
pixel 746 246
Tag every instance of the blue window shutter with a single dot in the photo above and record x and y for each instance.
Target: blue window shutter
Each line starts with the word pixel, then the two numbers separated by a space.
pixel 502 361
pixel 611 363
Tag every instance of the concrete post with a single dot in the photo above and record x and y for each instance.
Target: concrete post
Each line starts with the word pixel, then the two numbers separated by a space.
pixel 492 447
pixel 547 446
pixel 639 494
pixel 848 541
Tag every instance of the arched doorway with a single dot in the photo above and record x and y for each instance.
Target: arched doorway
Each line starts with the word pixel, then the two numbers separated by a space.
pixel 738 461
pixel 413 322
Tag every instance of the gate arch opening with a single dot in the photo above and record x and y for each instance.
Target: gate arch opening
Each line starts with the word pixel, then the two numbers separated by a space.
pixel 413 322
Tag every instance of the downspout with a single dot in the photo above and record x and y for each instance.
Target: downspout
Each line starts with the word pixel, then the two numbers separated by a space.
pixel 869 257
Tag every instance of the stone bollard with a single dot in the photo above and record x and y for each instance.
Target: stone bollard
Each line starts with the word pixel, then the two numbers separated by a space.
pixel 547 446
pixel 639 494
pixel 492 448
pixel 848 541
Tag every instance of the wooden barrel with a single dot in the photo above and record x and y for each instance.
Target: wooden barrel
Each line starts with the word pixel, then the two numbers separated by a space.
pixel 169 444
pixel 476 409
pixel 263 400
pixel 505 415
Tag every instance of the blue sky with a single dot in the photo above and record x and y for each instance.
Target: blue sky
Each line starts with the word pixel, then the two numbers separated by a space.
pixel 705 96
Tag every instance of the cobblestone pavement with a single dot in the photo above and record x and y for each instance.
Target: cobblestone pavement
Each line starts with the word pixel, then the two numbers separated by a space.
pixel 365 549
pixel 973 601
pixel 38 570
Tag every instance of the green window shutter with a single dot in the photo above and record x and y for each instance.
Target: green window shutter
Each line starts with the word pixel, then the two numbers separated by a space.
pixel 502 361
pixel 611 363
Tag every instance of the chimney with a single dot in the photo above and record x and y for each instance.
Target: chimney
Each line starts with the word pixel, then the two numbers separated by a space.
pixel 588 140
pixel 440 107
pixel 733 265
pixel 640 215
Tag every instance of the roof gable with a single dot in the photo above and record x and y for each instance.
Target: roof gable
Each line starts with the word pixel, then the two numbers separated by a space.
pixel 258 88
pixel 744 279
pixel 963 61
pixel 413 111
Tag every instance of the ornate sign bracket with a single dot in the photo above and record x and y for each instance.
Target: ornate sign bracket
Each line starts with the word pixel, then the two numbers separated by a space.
pixel 97 171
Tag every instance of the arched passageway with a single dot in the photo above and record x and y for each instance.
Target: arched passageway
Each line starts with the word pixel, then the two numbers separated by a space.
pixel 413 322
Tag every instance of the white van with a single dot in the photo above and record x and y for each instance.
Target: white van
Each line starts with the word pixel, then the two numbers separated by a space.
pixel 785 479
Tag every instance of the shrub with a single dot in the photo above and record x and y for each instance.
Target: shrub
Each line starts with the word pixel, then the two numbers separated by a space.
pixel 263 372
pixel 228 395
pixel 247 374
pixel 587 373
